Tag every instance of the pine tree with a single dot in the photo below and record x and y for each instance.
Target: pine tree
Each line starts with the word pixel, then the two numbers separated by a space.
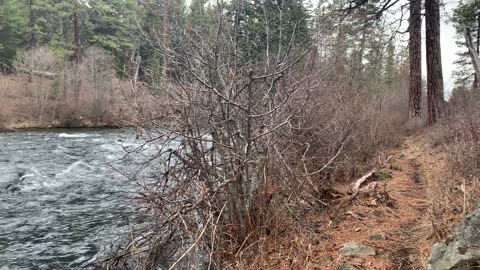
pixel 391 65
pixel 466 18
pixel 435 100
pixel 13 28
pixel 415 51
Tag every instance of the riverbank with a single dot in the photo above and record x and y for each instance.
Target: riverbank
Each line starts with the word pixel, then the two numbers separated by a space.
pixel 25 126
pixel 45 103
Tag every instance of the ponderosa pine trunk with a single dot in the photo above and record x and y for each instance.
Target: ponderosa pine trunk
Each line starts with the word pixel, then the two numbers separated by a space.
pixel 415 51
pixel 435 99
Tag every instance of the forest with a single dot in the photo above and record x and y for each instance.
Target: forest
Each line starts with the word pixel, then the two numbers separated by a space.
pixel 275 106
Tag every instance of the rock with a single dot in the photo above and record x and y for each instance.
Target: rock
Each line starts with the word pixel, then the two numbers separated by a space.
pixel 356 249
pixel 347 266
pixel 461 250
pixel 377 236
pixel 323 260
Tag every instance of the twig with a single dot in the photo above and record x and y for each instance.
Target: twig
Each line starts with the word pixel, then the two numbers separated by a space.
pixel 191 246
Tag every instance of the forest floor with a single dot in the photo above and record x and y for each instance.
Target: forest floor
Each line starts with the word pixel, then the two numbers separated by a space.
pixel 391 214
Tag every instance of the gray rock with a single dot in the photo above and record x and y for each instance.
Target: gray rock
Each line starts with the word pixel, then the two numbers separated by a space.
pixel 322 260
pixel 347 266
pixel 461 250
pixel 356 249
pixel 377 236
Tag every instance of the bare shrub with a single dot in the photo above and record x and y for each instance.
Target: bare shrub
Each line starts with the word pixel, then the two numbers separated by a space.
pixel 246 144
pixel 89 90
pixel 39 91
pixel 67 94
pixel 456 163
pixel 462 135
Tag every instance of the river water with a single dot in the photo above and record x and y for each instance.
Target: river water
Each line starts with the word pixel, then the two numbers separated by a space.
pixel 64 196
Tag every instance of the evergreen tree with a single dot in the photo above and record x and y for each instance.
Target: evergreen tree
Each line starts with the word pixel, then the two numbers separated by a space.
pixel 391 65
pixel 466 18
pixel 262 25
pixel 13 28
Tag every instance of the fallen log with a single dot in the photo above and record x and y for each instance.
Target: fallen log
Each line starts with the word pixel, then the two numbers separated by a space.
pixel 365 177
pixel 43 74
pixel 362 179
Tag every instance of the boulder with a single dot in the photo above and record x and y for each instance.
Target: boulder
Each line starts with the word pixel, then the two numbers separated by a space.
pixel 356 249
pixel 461 250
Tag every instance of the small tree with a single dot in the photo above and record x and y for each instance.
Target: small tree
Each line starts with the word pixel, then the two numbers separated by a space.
pixel 225 113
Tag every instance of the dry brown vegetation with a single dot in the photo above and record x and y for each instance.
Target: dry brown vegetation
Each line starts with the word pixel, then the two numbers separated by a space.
pixel 454 162
pixel 87 94
pixel 334 128
pixel 424 192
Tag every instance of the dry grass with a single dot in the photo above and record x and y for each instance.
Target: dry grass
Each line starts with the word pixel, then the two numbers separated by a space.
pixel 310 226
pixel 313 241
pixel 433 192
pixel 88 94
pixel 449 164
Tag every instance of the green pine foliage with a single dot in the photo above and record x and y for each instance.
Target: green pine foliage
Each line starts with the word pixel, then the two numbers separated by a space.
pixel 466 15
pixel 13 28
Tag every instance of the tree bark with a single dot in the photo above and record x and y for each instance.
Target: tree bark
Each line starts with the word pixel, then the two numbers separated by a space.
pixel 476 80
pixel 76 30
pixel 473 53
pixel 33 39
pixel 415 51
pixel 435 99
pixel 165 38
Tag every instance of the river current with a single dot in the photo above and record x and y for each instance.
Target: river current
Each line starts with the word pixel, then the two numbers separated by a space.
pixel 64 196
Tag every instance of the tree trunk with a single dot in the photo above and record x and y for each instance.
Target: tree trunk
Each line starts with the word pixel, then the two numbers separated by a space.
pixel 477 80
pixel 31 73
pixel 76 30
pixel 165 38
pixel 77 53
pixel 473 53
pixel 415 51
pixel 435 99
pixel 33 39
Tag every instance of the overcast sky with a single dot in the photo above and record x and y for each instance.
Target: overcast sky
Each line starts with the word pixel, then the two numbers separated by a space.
pixel 448 38
pixel 449 47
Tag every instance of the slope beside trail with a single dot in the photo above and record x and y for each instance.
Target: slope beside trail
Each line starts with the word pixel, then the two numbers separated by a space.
pixel 391 215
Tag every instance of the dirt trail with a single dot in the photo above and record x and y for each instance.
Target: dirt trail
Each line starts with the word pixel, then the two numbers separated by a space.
pixel 396 206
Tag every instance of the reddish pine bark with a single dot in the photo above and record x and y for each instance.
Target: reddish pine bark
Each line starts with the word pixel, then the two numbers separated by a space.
pixel 435 99
pixel 415 51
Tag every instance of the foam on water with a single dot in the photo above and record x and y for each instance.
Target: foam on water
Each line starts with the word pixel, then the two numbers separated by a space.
pixel 77 164
pixel 74 135
pixel 26 176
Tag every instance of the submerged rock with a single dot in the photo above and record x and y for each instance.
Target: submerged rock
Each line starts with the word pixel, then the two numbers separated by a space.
pixel 461 250
pixel 356 249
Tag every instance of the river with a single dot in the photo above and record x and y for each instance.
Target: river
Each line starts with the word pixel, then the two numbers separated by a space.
pixel 64 196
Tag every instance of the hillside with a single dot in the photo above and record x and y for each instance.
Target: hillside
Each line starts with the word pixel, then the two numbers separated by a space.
pixel 390 223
